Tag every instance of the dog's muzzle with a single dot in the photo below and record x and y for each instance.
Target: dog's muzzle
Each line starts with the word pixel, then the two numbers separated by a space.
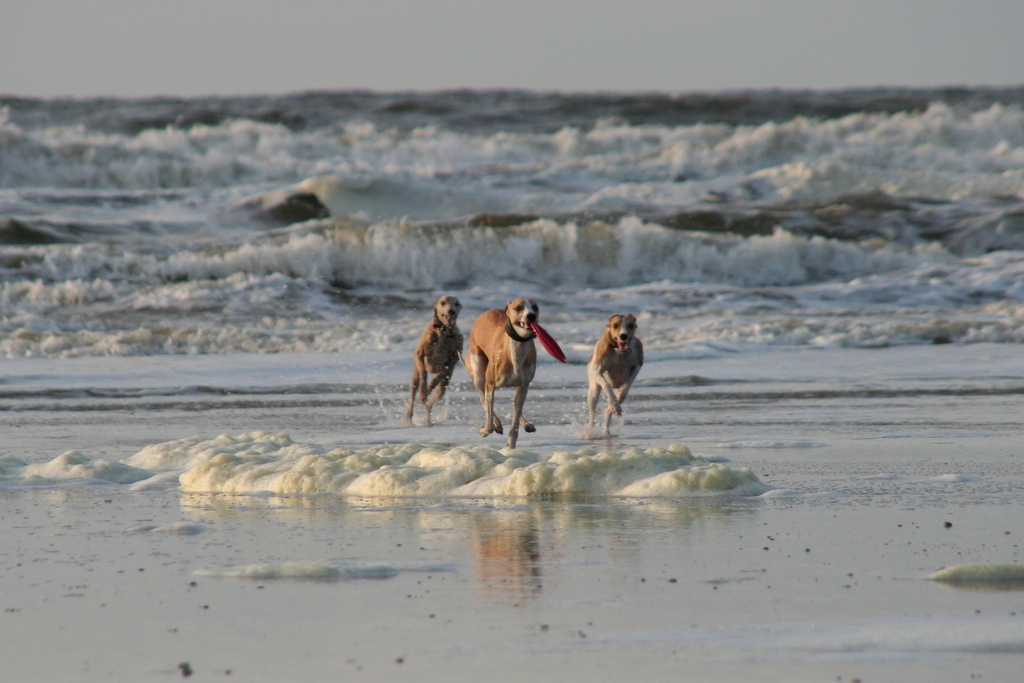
pixel 447 321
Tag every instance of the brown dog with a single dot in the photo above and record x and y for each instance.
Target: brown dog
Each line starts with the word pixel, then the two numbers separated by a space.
pixel 437 353
pixel 614 364
pixel 502 354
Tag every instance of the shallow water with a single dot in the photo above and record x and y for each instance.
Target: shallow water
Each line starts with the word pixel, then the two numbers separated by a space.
pixel 870 454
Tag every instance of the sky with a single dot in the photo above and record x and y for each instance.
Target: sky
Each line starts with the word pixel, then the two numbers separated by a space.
pixel 131 48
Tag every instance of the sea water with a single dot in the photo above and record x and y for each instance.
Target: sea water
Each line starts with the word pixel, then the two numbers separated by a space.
pixel 203 392
pixel 125 234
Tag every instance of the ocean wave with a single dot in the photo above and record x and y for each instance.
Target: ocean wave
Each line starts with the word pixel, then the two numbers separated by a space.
pixel 301 291
pixel 939 152
pixel 202 156
pixel 337 284
pixel 412 257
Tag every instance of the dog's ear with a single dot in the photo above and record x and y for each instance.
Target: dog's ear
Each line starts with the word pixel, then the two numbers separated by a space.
pixel 631 320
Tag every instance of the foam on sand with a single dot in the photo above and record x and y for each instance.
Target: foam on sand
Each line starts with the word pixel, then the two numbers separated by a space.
pixel 998 573
pixel 75 465
pixel 260 462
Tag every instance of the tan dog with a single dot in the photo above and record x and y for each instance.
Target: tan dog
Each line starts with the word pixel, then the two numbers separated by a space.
pixel 502 354
pixel 437 353
pixel 614 364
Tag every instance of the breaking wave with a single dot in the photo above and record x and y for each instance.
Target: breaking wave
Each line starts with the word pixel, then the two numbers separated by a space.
pixel 939 152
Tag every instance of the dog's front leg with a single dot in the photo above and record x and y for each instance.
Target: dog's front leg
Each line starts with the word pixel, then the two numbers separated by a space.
pixel 437 386
pixel 614 405
pixel 624 389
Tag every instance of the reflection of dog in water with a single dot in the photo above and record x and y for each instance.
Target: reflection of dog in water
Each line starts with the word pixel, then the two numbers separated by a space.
pixel 508 559
pixel 614 364
pixel 437 353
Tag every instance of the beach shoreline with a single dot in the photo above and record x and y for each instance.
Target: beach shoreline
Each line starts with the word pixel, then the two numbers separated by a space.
pixel 887 465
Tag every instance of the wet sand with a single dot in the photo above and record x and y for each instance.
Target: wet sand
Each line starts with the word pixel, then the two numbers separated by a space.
pixel 889 464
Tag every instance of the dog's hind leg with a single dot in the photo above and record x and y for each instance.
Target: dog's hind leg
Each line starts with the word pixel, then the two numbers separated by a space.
pixel 437 386
pixel 491 421
pixel 620 397
pixel 517 416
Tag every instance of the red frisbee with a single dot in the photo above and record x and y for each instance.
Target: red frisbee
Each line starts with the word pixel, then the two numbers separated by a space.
pixel 550 345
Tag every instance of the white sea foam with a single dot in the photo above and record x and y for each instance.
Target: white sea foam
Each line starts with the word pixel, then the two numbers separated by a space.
pixel 261 461
pixel 158 482
pixel 74 465
pixel 981 573
pixel 185 454
pixel 258 463
pixel 783 493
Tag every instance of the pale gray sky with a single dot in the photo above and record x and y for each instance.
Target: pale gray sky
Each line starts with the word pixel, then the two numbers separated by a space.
pixel 194 47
